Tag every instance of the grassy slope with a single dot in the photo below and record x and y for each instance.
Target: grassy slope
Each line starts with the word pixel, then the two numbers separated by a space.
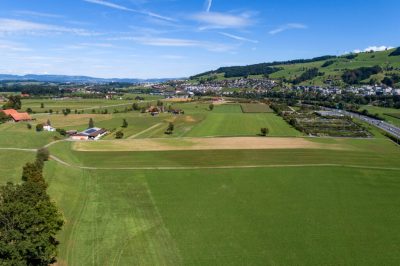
pixel 16 135
pixel 335 70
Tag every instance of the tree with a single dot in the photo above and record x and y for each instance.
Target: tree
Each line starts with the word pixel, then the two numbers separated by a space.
pixel 264 131
pixel 42 105
pixel 135 107
pixel 170 129
pixel 48 122
pixel 29 110
pixel 124 123
pixel 29 221
pixel 29 126
pixel 43 155
pixel 3 117
pixel 211 107
pixel 14 102
pixel 91 123
pixel 119 135
pixel 39 127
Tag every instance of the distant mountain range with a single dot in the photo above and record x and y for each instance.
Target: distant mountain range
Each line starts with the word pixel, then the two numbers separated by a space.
pixel 74 79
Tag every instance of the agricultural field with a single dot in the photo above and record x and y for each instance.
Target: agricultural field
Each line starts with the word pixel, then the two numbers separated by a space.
pixel 214 193
pixel 84 105
pixel 255 108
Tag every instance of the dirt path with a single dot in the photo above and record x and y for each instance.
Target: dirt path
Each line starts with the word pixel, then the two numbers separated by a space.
pixel 55 158
pixel 144 131
pixel 228 143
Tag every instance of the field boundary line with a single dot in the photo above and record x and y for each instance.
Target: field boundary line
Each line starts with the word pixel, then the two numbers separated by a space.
pixel 224 167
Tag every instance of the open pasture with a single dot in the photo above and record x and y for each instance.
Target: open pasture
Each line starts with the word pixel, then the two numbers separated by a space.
pixel 365 153
pixel 299 215
pixel 17 135
pixel 255 108
pixel 231 124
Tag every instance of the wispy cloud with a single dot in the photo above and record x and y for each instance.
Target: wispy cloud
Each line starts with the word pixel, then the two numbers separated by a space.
pixel 208 5
pixel 14 26
pixel 215 20
pixel 37 14
pixel 373 48
pixel 239 38
pixel 124 8
pixel 175 42
pixel 289 26
pixel 7 46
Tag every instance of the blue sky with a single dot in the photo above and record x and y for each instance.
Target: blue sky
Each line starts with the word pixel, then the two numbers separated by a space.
pixel 178 38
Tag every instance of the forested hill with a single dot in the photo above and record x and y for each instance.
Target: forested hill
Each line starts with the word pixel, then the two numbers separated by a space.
pixel 350 69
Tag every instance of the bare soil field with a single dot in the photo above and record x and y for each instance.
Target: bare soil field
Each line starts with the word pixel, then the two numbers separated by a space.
pixel 239 143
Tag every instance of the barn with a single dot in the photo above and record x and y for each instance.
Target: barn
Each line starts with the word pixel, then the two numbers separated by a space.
pixel 17 117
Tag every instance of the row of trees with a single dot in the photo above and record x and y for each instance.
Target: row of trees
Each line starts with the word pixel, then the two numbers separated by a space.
pixel 29 220
pixel 355 76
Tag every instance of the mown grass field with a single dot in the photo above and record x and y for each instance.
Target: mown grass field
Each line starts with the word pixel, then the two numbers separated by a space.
pixel 241 125
pixel 17 135
pixel 303 206
pixel 255 108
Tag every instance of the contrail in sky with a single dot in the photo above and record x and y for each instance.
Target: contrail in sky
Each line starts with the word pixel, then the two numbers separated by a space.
pixel 209 4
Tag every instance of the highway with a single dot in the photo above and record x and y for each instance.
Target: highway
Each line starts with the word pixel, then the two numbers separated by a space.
pixel 389 128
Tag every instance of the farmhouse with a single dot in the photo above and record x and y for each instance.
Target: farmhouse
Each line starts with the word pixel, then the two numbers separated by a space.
pixel 90 134
pixel 17 117
pixel 49 128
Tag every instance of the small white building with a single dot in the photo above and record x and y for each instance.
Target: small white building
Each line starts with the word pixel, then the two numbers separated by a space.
pixel 49 128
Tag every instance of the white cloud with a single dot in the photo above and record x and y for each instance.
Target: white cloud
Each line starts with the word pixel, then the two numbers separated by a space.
pixel 215 20
pixel 172 42
pixel 373 48
pixel 10 26
pixel 119 7
pixel 239 38
pixel 289 26
pixel 37 14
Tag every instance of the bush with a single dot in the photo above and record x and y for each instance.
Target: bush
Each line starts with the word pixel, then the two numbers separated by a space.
pixel 119 135
pixel 264 131
pixel 43 155
pixel 39 127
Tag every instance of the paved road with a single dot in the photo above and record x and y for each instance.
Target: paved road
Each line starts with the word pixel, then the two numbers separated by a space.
pixel 389 128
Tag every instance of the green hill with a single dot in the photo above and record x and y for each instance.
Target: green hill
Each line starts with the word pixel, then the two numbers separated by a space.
pixel 362 68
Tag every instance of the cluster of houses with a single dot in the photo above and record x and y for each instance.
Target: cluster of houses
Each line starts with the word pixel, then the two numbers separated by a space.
pixel 366 90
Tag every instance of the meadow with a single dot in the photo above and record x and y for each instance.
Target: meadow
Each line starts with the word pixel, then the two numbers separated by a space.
pixel 329 201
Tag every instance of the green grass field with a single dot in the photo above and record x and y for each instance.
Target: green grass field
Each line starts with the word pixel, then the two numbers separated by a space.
pixel 255 108
pixel 230 124
pixel 316 206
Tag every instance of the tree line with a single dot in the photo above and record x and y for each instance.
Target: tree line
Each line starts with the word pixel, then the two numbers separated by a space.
pixel 29 220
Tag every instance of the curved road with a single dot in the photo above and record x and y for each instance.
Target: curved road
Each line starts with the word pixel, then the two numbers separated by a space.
pixel 388 128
